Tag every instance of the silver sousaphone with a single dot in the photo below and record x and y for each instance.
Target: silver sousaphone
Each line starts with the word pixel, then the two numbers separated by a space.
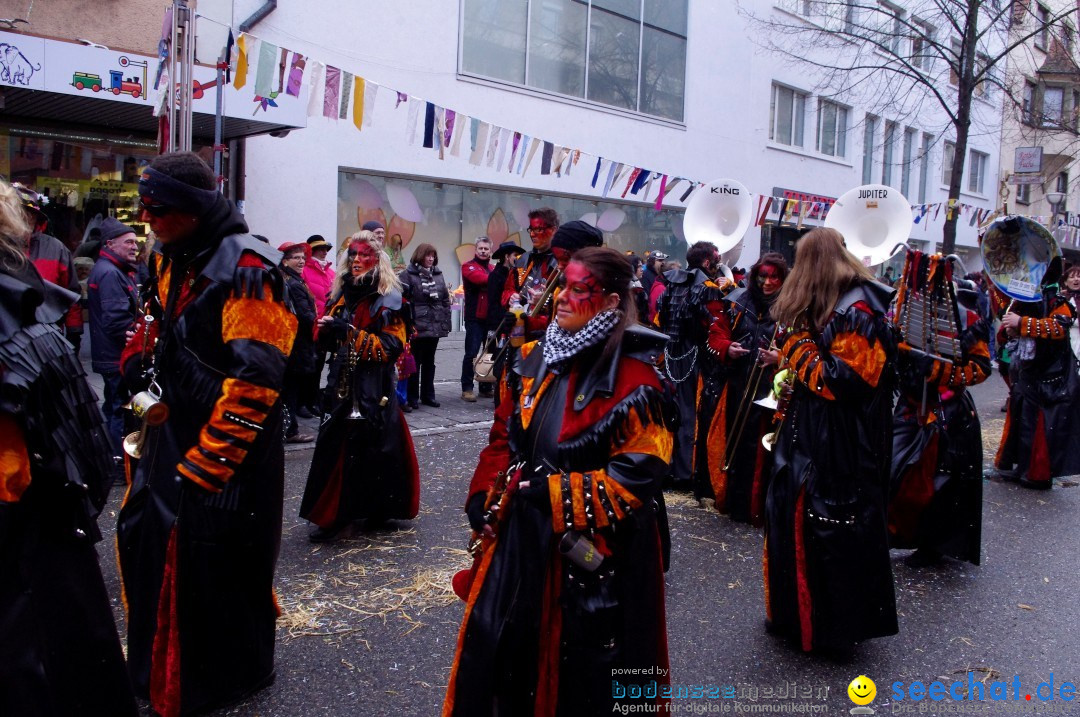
pixel 719 212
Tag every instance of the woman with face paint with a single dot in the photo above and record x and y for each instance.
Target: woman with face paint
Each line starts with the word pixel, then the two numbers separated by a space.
pixel 744 363
pixel 570 529
pixel 364 466
pixel 828 579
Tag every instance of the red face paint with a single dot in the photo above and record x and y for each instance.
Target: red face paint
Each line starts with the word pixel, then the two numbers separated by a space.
pixel 768 278
pixel 582 299
pixel 562 256
pixel 540 232
pixel 366 259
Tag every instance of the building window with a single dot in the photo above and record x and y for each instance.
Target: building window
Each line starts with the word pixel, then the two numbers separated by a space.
pixel 799 7
pixel 1042 21
pixel 1063 183
pixel 910 137
pixel 629 54
pixel 982 89
pixel 977 163
pixel 892 27
pixel 832 129
pixel 924 166
pixel 1027 115
pixel 887 153
pixel 921 44
pixel 1052 101
pixel 946 163
pixel 869 130
pixel 787 112
pixel 850 17
pixel 956 61
pixel 1023 194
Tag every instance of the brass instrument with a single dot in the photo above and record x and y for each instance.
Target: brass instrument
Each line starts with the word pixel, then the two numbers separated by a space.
pixel 769 439
pixel 549 289
pixel 146 405
pixel 348 367
pixel 742 414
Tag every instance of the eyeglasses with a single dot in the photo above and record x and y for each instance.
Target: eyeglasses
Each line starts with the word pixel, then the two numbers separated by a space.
pixel 538 230
pixel 157 210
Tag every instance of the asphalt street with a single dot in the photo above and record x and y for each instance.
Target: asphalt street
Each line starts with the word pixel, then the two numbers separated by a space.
pixel 369 624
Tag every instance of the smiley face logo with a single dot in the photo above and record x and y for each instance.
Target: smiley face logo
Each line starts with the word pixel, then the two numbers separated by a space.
pixel 862 690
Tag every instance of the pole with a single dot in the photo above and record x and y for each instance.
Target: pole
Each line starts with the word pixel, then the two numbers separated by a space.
pixel 218 147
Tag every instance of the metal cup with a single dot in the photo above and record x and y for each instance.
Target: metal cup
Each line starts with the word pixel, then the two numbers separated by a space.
pixel 148 408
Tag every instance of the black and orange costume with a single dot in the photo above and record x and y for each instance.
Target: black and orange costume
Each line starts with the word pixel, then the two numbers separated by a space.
pixel 828 579
pixel 530 269
pixel 59 651
pixel 686 310
pixel 200 528
pixel 740 490
pixel 1042 424
pixel 541 635
pixel 364 466
pixel 935 499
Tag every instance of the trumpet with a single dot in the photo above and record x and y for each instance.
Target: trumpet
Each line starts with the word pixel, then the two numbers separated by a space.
pixel 769 439
pixel 742 414
pixel 549 289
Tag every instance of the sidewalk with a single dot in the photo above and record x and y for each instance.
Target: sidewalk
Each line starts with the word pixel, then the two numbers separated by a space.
pixel 451 416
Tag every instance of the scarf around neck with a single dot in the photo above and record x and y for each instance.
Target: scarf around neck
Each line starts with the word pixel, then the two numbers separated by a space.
pixel 560 345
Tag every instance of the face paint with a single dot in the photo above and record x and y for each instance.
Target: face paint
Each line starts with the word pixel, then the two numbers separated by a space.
pixel 366 259
pixel 540 233
pixel 582 299
pixel 768 278
pixel 562 256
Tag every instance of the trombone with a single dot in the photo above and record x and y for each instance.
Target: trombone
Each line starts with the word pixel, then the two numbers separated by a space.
pixel 549 289
pixel 742 414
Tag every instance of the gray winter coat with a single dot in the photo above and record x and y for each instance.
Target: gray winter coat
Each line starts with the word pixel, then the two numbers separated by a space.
pixel 429 300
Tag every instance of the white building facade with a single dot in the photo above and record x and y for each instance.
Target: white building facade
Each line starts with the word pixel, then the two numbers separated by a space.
pixel 674 87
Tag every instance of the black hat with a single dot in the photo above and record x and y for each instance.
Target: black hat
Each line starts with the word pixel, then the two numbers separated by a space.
pixel 577 235
pixel 372 225
pixel 112 228
pixel 505 248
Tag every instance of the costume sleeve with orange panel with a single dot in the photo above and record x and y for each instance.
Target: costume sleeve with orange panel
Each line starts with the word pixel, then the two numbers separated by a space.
pixel 385 344
pixel 258 331
pixel 1054 327
pixel 719 337
pixel 641 443
pixel 846 362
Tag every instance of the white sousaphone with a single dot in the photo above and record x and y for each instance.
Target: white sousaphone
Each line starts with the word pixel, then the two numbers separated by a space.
pixel 874 219
pixel 720 212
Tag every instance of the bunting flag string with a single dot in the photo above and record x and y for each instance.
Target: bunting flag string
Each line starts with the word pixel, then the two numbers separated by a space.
pixel 497 147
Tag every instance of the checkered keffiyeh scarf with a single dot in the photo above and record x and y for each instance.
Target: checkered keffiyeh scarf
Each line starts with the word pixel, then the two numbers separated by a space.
pixel 560 346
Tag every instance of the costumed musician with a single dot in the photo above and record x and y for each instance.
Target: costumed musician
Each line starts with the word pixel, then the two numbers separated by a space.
pixel 566 501
pixel 532 271
pixel 828 579
pixel 1042 425
pixel 935 502
pixel 199 531
pixel 59 650
pixel 692 302
pixel 364 466
pixel 743 363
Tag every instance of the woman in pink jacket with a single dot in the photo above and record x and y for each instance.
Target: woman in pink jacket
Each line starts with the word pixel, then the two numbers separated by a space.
pixel 319 277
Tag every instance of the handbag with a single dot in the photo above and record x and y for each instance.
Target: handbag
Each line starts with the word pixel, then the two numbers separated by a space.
pixel 484 363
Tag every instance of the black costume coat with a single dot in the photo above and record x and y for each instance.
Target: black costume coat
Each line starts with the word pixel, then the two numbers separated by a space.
pixel 59 651
pixel 828 579
pixel 362 468
pixel 201 524
pixel 541 636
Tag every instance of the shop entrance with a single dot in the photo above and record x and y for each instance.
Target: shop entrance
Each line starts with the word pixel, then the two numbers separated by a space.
pixel 781 239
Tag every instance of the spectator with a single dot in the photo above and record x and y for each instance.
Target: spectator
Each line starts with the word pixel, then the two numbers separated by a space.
pixel 142 263
pixel 659 286
pixel 377 229
pixel 301 363
pixel 641 299
pixel 53 261
pixel 319 276
pixel 425 289
pixel 474 277
pixel 654 263
pixel 113 301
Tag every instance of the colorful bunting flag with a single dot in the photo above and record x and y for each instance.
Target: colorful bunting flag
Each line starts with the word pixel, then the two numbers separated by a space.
pixel 264 73
pixel 358 102
pixel 296 75
pixel 346 94
pixel 332 92
pixel 241 61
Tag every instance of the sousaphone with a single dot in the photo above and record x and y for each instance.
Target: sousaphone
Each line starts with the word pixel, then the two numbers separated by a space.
pixel 874 220
pixel 1017 252
pixel 719 212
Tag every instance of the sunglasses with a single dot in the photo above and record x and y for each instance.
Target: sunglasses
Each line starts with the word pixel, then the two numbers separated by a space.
pixel 537 230
pixel 157 210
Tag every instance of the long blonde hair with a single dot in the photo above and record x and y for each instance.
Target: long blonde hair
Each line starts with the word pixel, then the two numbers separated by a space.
pixel 823 270
pixel 14 228
pixel 388 280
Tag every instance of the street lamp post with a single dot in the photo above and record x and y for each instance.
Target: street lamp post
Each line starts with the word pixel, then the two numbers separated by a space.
pixel 1055 199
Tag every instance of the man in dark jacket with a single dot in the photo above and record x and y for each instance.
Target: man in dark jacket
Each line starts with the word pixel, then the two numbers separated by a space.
pixel 112 298
pixel 294 256
pixel 533 270
pixel 199 589
pixel 504 257
pixel 654 261
pixel 474 277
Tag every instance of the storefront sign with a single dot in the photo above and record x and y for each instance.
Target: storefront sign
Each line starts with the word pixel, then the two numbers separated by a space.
pixel 817 209
pixel 1026 179
pixel 1027 160
pixel 72 69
